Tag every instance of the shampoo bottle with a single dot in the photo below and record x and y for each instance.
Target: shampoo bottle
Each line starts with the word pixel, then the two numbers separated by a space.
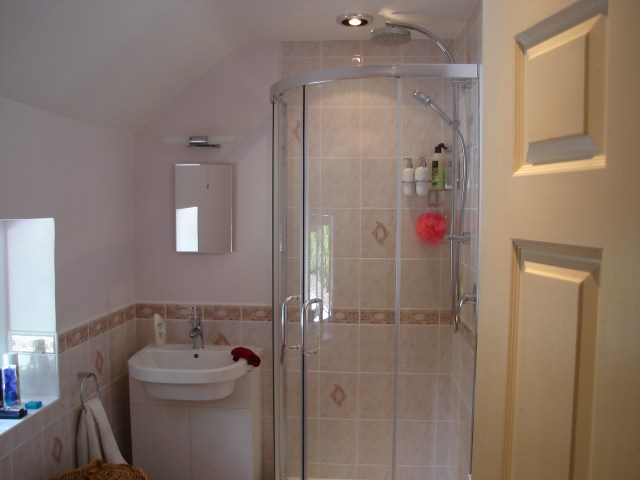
pixel 422 178
pixel 160 330
pixel 437 168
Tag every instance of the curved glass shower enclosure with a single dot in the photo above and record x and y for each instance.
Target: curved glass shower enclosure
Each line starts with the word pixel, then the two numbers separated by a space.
pixel 370 379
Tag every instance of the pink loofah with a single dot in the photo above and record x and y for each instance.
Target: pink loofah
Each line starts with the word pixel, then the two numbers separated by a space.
pixel 431 228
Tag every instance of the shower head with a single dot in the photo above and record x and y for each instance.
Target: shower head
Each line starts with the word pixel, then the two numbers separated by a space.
pixel 390 36
pixel 427 102
pixel 398 34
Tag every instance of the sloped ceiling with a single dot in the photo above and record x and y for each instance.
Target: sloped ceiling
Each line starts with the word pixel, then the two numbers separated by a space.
pixel 117 63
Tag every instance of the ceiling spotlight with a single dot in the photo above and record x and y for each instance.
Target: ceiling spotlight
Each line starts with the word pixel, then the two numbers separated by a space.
pixel 354 19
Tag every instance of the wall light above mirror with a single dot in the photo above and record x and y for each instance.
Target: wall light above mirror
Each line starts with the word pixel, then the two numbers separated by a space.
pixel 204 208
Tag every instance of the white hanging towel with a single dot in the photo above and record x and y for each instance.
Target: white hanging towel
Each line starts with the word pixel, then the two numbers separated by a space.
pixel 95 438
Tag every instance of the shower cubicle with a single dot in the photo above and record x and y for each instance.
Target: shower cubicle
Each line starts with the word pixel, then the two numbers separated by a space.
pixel 370 379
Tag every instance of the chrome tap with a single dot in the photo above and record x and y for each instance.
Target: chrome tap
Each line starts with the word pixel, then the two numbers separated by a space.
pixel 196 331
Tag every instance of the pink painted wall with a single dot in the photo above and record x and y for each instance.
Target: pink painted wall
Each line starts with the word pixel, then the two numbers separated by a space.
pixel 82 176
pixel 231 99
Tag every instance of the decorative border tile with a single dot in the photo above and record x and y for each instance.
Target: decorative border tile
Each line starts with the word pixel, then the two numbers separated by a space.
pixel 344 315
pixel 118 317
pixel 446 317
pixel 130 312
pixel 257 313
pixel 62 342
pixel 98 326
pixel 183 311
pixel 378 317
pixel 93 328
pixel 148 310
pixel 77 336
pixel 420 317
pixel 222 312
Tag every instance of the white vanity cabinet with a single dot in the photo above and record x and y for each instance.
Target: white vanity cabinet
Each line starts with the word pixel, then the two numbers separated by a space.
pixel 187 440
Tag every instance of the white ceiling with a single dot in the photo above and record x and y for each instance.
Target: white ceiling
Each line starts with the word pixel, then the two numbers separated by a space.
pixel 117 63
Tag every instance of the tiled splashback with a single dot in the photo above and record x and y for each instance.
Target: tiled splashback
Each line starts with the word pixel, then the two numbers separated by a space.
pixel 43 445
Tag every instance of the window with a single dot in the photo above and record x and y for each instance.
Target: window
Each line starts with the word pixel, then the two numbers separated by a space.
pixel 27 303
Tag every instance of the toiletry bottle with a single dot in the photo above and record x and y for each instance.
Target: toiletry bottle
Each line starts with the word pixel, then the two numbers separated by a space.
pixel 448 171
pixel 408 177
pixel 422 178
pixel 10 379
pixel 437 168
pixel 160 330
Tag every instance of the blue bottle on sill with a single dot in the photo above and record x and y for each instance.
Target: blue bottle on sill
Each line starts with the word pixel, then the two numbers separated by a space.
pixel 10 379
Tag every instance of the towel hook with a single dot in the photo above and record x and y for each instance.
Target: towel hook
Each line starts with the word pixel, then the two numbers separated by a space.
pixel 84 376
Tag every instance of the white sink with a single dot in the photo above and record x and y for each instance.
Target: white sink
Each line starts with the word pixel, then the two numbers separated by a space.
pixel 178 372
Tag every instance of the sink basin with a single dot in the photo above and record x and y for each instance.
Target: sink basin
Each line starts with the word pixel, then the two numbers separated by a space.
pixel 178 372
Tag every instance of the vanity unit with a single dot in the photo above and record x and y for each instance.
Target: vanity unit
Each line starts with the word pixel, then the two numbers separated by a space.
pixel 183 426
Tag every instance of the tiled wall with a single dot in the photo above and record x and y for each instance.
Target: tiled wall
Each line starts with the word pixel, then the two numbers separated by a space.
pixel 353 188
pixel 43 445
pixel 468 49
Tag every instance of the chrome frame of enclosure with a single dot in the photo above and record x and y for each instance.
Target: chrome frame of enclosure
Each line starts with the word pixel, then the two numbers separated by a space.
pixel 457 70
pixel 452 71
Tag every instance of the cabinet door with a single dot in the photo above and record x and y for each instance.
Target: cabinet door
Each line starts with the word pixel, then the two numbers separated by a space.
pixel 161 448
pixel 222 444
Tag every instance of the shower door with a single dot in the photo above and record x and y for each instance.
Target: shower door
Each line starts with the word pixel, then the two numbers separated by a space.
pixel 317 234
pixel 300 281
pixel 317 171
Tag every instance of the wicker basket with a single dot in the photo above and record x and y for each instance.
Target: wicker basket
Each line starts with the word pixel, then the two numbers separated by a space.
pixel 97 470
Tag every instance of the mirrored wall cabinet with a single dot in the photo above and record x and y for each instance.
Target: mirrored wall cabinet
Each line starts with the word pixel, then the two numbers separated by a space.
pixel 204 208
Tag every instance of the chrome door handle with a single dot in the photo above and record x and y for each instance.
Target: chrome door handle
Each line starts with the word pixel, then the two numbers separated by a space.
pixel 283 324
pixel 303 324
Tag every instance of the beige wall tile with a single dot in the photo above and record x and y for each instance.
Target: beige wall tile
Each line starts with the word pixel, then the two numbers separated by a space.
pixel 421 284
pixel 417 396
pixel 337 128
pixel 337 395
pixel 422 130
pixel 416 442
pixel 337 441
pixel 27 460
pixel 377 346
pixel 375 396
pixel 295 66
pixel 370 472
pixel 339 352
pixel 379 131
pixel 419 349
pixel 378 233
pixel 345 237
pixel 222 332
pixel 301 49
pixel 375 442
pixel 377 283
pixel 344 93
pixel 379 182
pixel 340 181
pixel 346 279
pixel 341 48
pixel 379 92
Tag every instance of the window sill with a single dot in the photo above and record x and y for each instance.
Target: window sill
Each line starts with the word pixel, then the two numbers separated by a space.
pixel 8 424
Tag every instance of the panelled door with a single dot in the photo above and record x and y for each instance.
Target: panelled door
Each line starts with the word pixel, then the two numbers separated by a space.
pixel 558 380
